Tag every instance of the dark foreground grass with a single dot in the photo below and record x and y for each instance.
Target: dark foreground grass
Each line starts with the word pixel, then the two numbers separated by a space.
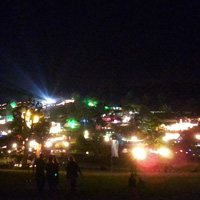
pixel 18 184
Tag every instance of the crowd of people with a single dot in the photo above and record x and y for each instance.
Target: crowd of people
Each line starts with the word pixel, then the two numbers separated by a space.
pixel 49 172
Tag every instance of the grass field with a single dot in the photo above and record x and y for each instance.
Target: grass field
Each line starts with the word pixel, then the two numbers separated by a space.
pixel 20 184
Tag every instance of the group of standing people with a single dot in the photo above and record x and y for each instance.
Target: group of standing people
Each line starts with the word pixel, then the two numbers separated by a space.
pixel 52 173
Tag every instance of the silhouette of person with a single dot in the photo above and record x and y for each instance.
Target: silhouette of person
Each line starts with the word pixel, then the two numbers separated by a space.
pixel 40 173
pixel 132 180
pixel 73 171
pixel 141 184
pixel 50 173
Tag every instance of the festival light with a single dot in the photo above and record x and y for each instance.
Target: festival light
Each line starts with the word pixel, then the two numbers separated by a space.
pixel 165 152
pixel 134 139
pixel 66 144
pixel 180 126
pixel 28 113
pixel 171 136
pixel 72 123
pixel 86 134
pixel 13 104
pixel 197 136
pixel 55 127
pixel 48 101
pixel 2 121
pixel 65 102
pixel 90 103
pixel 36 119
pixel 14 145
pixel 33 144
pixel 48 144
pixel 126 119
pixel 10 118
pixel 106 138
pixel 139 153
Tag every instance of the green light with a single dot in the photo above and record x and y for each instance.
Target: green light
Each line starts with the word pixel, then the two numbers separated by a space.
pixel 10 118
pixel 72 123
pixel 90 103
pixel 106 107
pixel 13 104
pixel 56 174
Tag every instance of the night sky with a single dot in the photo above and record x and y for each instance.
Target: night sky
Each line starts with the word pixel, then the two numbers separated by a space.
pixel 57 47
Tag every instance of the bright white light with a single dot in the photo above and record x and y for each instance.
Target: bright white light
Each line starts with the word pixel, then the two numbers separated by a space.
pixel 55 127
pixel 48 144
pixel 66 144
pixel 139 153
pixel 107 138
pixel 180 126
pixel 197 136
pixel 171 136
pixel 33 144
pixel 2 121
pixel 115 121
pixel 134 139
pixel 48 101
pixel 56 139
pixel 9 151
pixel 165 152
pixel 4 133
pixel 126 119
pixel 86 134
pixel 14 145
pixel 66 101
pixel 87 152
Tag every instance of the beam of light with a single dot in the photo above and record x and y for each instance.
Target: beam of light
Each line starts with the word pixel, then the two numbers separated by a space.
pixel 26 83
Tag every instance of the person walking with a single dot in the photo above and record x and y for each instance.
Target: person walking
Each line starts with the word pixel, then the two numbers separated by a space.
pixel 50 173
pixel 72 170
pixel 39 164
